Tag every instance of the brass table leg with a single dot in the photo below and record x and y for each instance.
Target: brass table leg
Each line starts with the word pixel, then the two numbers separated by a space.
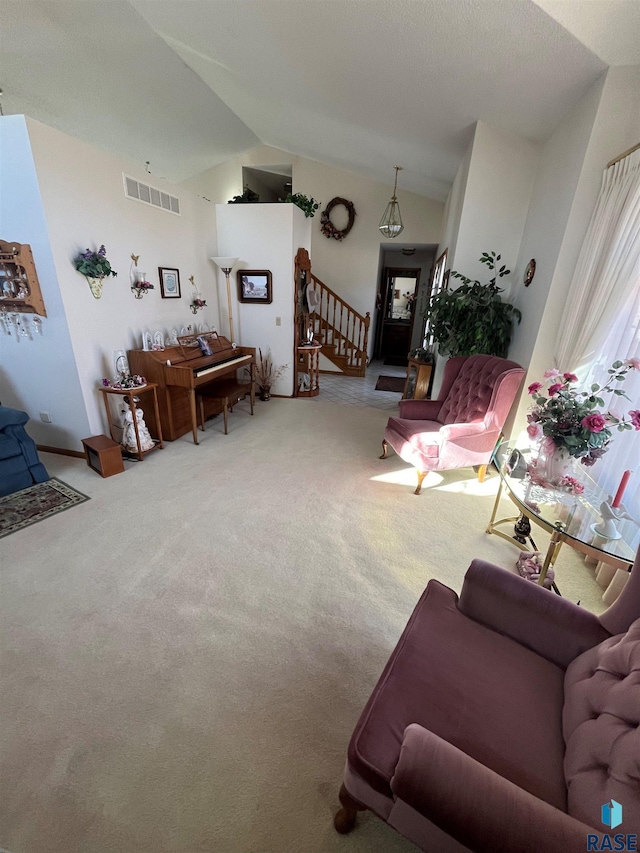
pixel 552 550
pixel 495 507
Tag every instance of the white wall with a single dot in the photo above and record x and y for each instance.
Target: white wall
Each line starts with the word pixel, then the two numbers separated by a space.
pixel 561 162
pixel 38 375
pixel 264 237
pixel 496 201
pixel 350 267
pixel 453 208
pixel 84 204
pixel 487 209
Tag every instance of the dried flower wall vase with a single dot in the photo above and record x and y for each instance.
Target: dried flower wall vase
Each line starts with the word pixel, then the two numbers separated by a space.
pixel 95 285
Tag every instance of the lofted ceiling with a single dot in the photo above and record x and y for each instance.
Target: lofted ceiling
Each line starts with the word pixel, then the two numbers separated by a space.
pixel 359 84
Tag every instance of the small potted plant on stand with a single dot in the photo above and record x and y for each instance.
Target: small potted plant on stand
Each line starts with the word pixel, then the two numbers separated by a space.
pixel 267 373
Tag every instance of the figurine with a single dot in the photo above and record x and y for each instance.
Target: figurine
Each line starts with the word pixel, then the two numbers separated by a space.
pixel 129 434
pixel 607 527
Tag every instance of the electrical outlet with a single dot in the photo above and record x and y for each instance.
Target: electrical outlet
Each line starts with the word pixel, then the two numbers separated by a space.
pixel 278 321
pixel 45 417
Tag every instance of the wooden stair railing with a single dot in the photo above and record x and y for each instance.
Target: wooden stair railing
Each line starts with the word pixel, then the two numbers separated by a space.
pixel 342 331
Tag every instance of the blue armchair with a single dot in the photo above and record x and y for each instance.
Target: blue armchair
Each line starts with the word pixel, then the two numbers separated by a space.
pixel 19 463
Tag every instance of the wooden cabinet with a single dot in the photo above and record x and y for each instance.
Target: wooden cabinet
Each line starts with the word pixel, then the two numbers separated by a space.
pixel 396 338
pixel 416 386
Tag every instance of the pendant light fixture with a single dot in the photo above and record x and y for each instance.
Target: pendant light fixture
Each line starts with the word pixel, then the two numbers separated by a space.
pixel 391 222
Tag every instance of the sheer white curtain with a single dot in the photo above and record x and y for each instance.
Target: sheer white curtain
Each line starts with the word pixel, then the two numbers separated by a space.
pixel 607 274
pixel 624 450
pixel 601 320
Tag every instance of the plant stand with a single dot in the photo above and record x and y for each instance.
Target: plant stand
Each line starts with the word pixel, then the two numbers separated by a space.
pixel 308 370
pixel 131 393
pixel 416 386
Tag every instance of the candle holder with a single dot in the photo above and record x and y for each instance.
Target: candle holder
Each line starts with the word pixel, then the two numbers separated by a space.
pixel 197 303
pixel 139 283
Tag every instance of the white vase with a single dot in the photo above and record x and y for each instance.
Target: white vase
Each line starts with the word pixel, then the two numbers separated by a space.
pixel 553 463
pixel 95 284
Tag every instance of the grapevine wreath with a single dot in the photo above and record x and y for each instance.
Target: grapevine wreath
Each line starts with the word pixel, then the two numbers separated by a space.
pixel 326 225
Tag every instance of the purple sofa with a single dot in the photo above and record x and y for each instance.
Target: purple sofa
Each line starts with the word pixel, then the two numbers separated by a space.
pixel 503 722
pixel 462 426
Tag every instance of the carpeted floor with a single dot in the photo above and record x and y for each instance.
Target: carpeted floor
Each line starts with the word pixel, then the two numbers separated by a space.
pixel 390 383
pixel 184 656
pixel 35 503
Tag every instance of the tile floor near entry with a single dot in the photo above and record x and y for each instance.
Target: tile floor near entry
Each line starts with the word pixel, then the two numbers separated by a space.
pixel 360 391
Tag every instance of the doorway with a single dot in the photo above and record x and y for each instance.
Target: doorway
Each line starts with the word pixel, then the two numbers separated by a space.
pixel 396 314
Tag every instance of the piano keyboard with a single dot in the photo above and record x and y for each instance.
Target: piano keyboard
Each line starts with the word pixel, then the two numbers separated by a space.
pixel 223 365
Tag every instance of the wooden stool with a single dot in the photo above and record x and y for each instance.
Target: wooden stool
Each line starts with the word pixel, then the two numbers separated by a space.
pixel 103 455
pixel 228 392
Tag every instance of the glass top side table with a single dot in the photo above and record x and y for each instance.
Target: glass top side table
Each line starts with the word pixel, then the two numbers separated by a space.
pixel 569 517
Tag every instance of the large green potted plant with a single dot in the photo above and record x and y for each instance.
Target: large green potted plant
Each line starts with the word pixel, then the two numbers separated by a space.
pixel 473 318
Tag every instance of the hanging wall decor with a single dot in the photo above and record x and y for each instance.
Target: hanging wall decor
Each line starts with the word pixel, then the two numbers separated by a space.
pixel 95 267
pixel 197 303
pixel 326 225
pixel 139 283
pixel 529 272
pixel 19 285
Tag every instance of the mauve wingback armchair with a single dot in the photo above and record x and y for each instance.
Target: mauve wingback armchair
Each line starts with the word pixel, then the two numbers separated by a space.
pixel 462 426
pixel 503 721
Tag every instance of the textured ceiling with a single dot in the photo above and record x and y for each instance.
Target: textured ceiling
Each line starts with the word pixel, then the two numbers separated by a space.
pixel 360 84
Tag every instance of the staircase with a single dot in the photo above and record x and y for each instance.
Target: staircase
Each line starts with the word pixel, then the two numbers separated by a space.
pixel 341 330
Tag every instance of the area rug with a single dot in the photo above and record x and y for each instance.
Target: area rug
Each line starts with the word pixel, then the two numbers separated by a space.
pixel 35 503
pixel 390 383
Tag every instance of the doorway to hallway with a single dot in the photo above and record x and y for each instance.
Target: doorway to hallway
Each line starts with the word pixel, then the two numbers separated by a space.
pixel 397 314
pixel 404 279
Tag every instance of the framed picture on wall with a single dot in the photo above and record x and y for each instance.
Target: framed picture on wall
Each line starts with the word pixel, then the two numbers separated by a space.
pixel 254 286
pixel 169 283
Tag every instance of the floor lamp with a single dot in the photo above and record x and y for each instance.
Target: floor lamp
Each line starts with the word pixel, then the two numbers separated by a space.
pixel 226 265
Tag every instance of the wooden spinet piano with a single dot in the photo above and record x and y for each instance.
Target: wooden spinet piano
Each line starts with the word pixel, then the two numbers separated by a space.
pixel 180 370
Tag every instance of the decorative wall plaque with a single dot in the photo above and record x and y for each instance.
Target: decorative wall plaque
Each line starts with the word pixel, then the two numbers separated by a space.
pixel 19 285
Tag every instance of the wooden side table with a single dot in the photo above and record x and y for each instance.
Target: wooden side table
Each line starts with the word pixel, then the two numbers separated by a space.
pixel 308 363
pixel 131 393
pixel 416 386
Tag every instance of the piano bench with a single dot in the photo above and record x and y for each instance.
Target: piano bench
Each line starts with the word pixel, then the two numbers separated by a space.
pixel 228 392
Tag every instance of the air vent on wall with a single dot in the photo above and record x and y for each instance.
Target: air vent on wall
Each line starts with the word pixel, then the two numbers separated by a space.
pixel 150 195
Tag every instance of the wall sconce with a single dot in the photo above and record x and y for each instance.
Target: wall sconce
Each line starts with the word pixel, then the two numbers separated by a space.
pixel 139 283
pixel 198 303
pixel 391 222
